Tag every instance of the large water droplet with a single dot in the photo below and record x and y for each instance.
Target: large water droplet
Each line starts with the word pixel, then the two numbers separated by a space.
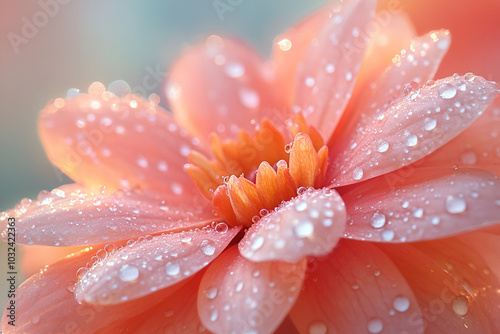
pixel 401 303
pixel 172 269
pixel 447 91
pixel 375 325
pixel 378 220
pixel 304 229
pixel 208 247
pixel 211 293
pixel 387 235
pixel 128 273
pixel 410 90
pixel 214 316
pixel 383 146
pixel 357 174
pixel 455 205
pixel 460 306
pixel 411 141
pixel 257 243
pixel 430 124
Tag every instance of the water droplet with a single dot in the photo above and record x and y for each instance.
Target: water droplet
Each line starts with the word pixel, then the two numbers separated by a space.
pixel 300 205
pixel 460 306
pixel 258 241
pixel 435 220
pixel 411 141
pixel 317 327
pixel 401 304
pixel 279 243
pixel 447 91
pixel 357 174
pixel 430 124
pixel 310 82
pixel 81 272
pixel 35 320
pixel 387 235
pixel 214 316
pixel 211 293
pixel 128 273
pixel 378 220
pixel 304 229
pixel 410 90
pixel 208 247
pixel 221 227
pixel 239 286
pixel 383 146
pixel 455 205
pixel 72 92
pixel 375 325
pixel 288 147
pixel 418 213
pixel 234 70
pixel 119 88
pixel 249 98
pixel 330 68
pixel 263 212
pixel 461 86
pixel 172 269
pixel 348 76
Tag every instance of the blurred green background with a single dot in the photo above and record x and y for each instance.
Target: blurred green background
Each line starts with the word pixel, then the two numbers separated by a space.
pixel 86 41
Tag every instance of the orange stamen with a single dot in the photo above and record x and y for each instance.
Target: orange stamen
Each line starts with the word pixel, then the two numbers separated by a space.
pixel 241 180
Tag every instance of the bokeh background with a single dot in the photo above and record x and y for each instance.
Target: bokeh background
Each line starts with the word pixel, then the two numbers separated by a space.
pixel 85 41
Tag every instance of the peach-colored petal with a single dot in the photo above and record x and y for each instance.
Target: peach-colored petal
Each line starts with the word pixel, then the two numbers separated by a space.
pixel 471 270
pixel 45 303
pixel 446 304
pixel 488 245
pixel 220 86
pixel 420 204
pixel 35 258
pixel 168 317
pixel 240 296
pixel 410 129
pixel 152 264
pixel 101 139
pixel 329 70
pixel 290 48
pixel 478 146
pixel 356 289
pixel 310 224
pixel 65 216
pixel 418 62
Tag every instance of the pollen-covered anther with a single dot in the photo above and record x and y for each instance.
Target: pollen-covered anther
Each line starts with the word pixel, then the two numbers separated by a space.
pixel 254 174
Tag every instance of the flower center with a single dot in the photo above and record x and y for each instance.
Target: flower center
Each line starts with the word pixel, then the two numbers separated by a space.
pixel 252 175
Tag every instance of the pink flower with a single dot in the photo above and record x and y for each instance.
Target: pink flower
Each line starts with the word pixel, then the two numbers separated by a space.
pixel 337 188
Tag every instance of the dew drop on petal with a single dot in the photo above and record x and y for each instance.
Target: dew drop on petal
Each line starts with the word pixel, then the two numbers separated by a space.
pixel 208 247
pixel 455 205
pixel 249 98
pixel 172 269
pixel 221 227
pixel 447 91
pixel 317 327
pixel 387 235
pixel 310 81
pixel 410 90
pixel 72 92
pixel 357 174
pixel 411 141
pixel 214 316
pixel 383 146
pixel 375 326
pixel 378 220
pixel 128 273
pixel 257 243
pixel 211 293
pixel 460 306
pixel 401 303
pixel 430 124
pixel 304 229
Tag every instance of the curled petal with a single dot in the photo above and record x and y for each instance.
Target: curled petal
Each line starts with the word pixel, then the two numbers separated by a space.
pixel 152 264
pixel 64 217
pixel 240 296
pixel 410 129
pixel 415 204
pixel 101 139
pixel 329 70
pixel 231 89
pixel 308 225
pixel 355 289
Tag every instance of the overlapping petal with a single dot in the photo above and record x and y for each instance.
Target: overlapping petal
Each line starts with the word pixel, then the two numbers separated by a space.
pixel 410 129
pixel 330 67
pixel 309 225
pixel 420 204
pixel 221 86
pixel 64 217
pixel 100 139
pixel 240 296
pixel 152 264
pixel 356 289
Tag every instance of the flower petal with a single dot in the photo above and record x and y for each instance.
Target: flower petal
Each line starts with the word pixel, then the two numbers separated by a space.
pixel 356 289
pixel 410 129
pixel 309 224
pixel 488 245
pixel 415 204
pixel 472 271
pixel 152 264
pixel 169 316
pixel 478 146
pixel 65 216
pixel 220 86
pixel 447 306
pixel 45 302
pixel 240 296
pixel 332 64
pixel 101 139
pixel 290 48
